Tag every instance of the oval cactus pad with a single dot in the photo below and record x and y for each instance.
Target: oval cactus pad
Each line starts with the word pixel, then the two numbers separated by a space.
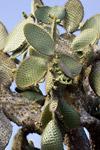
pixel 94 77
pixel 42 13
pixel 74 15
pixel 51 137
pixel 30 72
pixel 93 22
pixel 84 39
pixel 39 39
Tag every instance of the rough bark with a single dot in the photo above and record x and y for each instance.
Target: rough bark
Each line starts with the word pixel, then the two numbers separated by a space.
pixel 20 110
pixel 5 130
pixel 94 133
pixel 76 139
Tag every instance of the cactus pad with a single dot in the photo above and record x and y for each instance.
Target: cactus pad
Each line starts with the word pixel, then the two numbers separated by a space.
pixel 51 137
pixel 93 22
pixel 46 116
pixel 3 36
pixel 49 81
pixel 34 96
pixel 69 66
pixel 74 15
pixel 34 5
pixel 30 72
pixel 39 39
pixel 94 77
pixel 16 38
pixel 42 13
pixel 68 115
pixel 84 39
pixel 33 52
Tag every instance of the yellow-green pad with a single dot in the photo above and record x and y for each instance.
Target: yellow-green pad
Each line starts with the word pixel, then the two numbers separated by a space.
pixel 49 81
pixel 51 137
pixel 42 13
pixel 68 115
pixel 84 39
pixel 94 77
pixel 39 39
pixel 16 38
pixel 69 65
pixel 93 22
pixel 30 72
pixel 3 36
pixel 74 15
pixel 46 116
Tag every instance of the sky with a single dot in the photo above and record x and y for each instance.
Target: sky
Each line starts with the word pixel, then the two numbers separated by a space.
pixel 11 14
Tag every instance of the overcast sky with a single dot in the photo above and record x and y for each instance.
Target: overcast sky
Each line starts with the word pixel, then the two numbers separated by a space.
pixel 11 14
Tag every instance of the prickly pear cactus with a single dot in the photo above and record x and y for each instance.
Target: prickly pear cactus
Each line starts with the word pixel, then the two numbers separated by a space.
pixel 68 65
pixel 51 137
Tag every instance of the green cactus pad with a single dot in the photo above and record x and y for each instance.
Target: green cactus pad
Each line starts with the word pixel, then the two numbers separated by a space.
pixel 16 38
pixel 3 36
pixel 34 5
pixel 46 116
pixel 49 27
pixel 69 66
pixel 6 67
pixel 42 13
pixel 30 72
pixel 93 22
pixel 68 115
pixel 84 39
pixel 94 77
pixel 39 39
pixel 74 15
pixel 33 52
pixel 51 137
pixel 34 96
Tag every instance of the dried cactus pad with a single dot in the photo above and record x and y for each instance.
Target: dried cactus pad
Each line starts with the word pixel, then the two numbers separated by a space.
pixel 51 137
pixel 30 72
pixel 39 39
pixel 84 39
pixel 93 22
pixel 3 36
pixel 16 38
pixel 69 66
pixel 42 13
pixel 6 67
pixel 74 15
pixel 94 77
pixel 46 116
pixel 68 115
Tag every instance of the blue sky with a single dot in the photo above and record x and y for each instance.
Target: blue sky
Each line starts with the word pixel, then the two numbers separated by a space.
pixel 11 14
